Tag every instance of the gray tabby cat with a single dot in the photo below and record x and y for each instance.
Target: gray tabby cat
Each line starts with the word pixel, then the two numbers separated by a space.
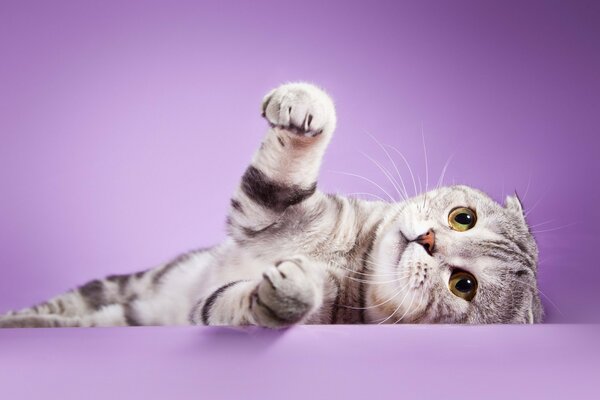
pixel 297 255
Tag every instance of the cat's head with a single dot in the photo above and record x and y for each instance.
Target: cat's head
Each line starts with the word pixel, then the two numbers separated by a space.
pixel 453 255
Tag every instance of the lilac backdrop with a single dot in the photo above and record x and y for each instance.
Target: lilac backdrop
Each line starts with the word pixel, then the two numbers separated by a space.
pixel 124 127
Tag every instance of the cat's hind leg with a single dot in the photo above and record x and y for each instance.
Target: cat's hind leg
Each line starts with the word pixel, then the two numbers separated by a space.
pixel 116 300
pixel 88 299
pixel 104 302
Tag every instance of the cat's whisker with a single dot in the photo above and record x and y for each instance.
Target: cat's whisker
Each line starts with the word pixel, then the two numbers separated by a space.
pixel 372 275
pixel 412 300
pixel 368 180
pixel 367 194
pixel 393 163
pixel 443 174
pixel 554 229
pixel 382 265
pixel 380 304
pixel 387 175
pixel 399 279
pixel 407 166
pixel 368 274
pixel 396 310
pixel 382 275
pixel 549 258
pixel 528 185
pixel 378 265
pixel 410 307
pixel 530 210
pixel 542 223
pixel 426 160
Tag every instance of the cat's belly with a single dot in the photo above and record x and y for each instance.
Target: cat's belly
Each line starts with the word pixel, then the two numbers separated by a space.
pixel 181 289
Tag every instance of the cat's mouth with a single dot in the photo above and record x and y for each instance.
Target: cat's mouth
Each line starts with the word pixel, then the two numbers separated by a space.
pixel 402 244
pixel 403 236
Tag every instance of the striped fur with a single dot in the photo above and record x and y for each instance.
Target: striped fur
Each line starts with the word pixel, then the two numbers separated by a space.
pixel 296 255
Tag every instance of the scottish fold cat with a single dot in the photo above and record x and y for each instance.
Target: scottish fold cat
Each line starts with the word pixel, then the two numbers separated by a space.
pixel 295 255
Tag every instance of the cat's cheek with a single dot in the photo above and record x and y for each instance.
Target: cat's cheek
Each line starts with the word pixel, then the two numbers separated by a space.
pixel 388 250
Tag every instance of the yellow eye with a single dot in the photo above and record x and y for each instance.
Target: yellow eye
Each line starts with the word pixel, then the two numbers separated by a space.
pixel 462 219
pixel 463 284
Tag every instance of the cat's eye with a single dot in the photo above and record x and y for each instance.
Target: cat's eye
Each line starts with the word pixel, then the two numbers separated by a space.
pixel 462 219
pixel 463 284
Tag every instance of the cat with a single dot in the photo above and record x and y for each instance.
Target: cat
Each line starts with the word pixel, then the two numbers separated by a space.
pixel 295 255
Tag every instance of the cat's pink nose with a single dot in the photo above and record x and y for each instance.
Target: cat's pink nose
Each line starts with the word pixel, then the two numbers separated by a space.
pixel 427 240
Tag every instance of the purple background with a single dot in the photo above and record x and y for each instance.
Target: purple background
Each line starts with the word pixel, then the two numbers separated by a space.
pixel 125 126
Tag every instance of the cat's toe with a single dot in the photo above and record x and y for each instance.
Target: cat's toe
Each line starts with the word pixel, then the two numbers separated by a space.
pixel 300 108
pixel 285 296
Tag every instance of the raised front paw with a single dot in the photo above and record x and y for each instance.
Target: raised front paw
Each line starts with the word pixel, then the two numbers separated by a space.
pixel 288 293
pixel 300 108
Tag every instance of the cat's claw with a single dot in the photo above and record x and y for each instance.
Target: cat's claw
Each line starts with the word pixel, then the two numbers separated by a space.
pixel 286 295
pixel 300 108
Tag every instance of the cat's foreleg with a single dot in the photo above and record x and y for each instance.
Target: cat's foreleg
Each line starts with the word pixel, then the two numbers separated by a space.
pixel 290 292
pixel 284 170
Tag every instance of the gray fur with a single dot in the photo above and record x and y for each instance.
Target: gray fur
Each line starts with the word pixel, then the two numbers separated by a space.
pixel 296 255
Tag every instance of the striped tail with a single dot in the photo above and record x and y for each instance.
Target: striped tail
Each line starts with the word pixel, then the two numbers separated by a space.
pixel 105 302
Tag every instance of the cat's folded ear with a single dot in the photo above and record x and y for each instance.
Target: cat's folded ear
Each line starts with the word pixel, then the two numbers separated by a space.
pixel 513 203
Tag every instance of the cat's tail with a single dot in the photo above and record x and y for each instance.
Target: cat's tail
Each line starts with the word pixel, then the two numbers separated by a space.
pixel 101 302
